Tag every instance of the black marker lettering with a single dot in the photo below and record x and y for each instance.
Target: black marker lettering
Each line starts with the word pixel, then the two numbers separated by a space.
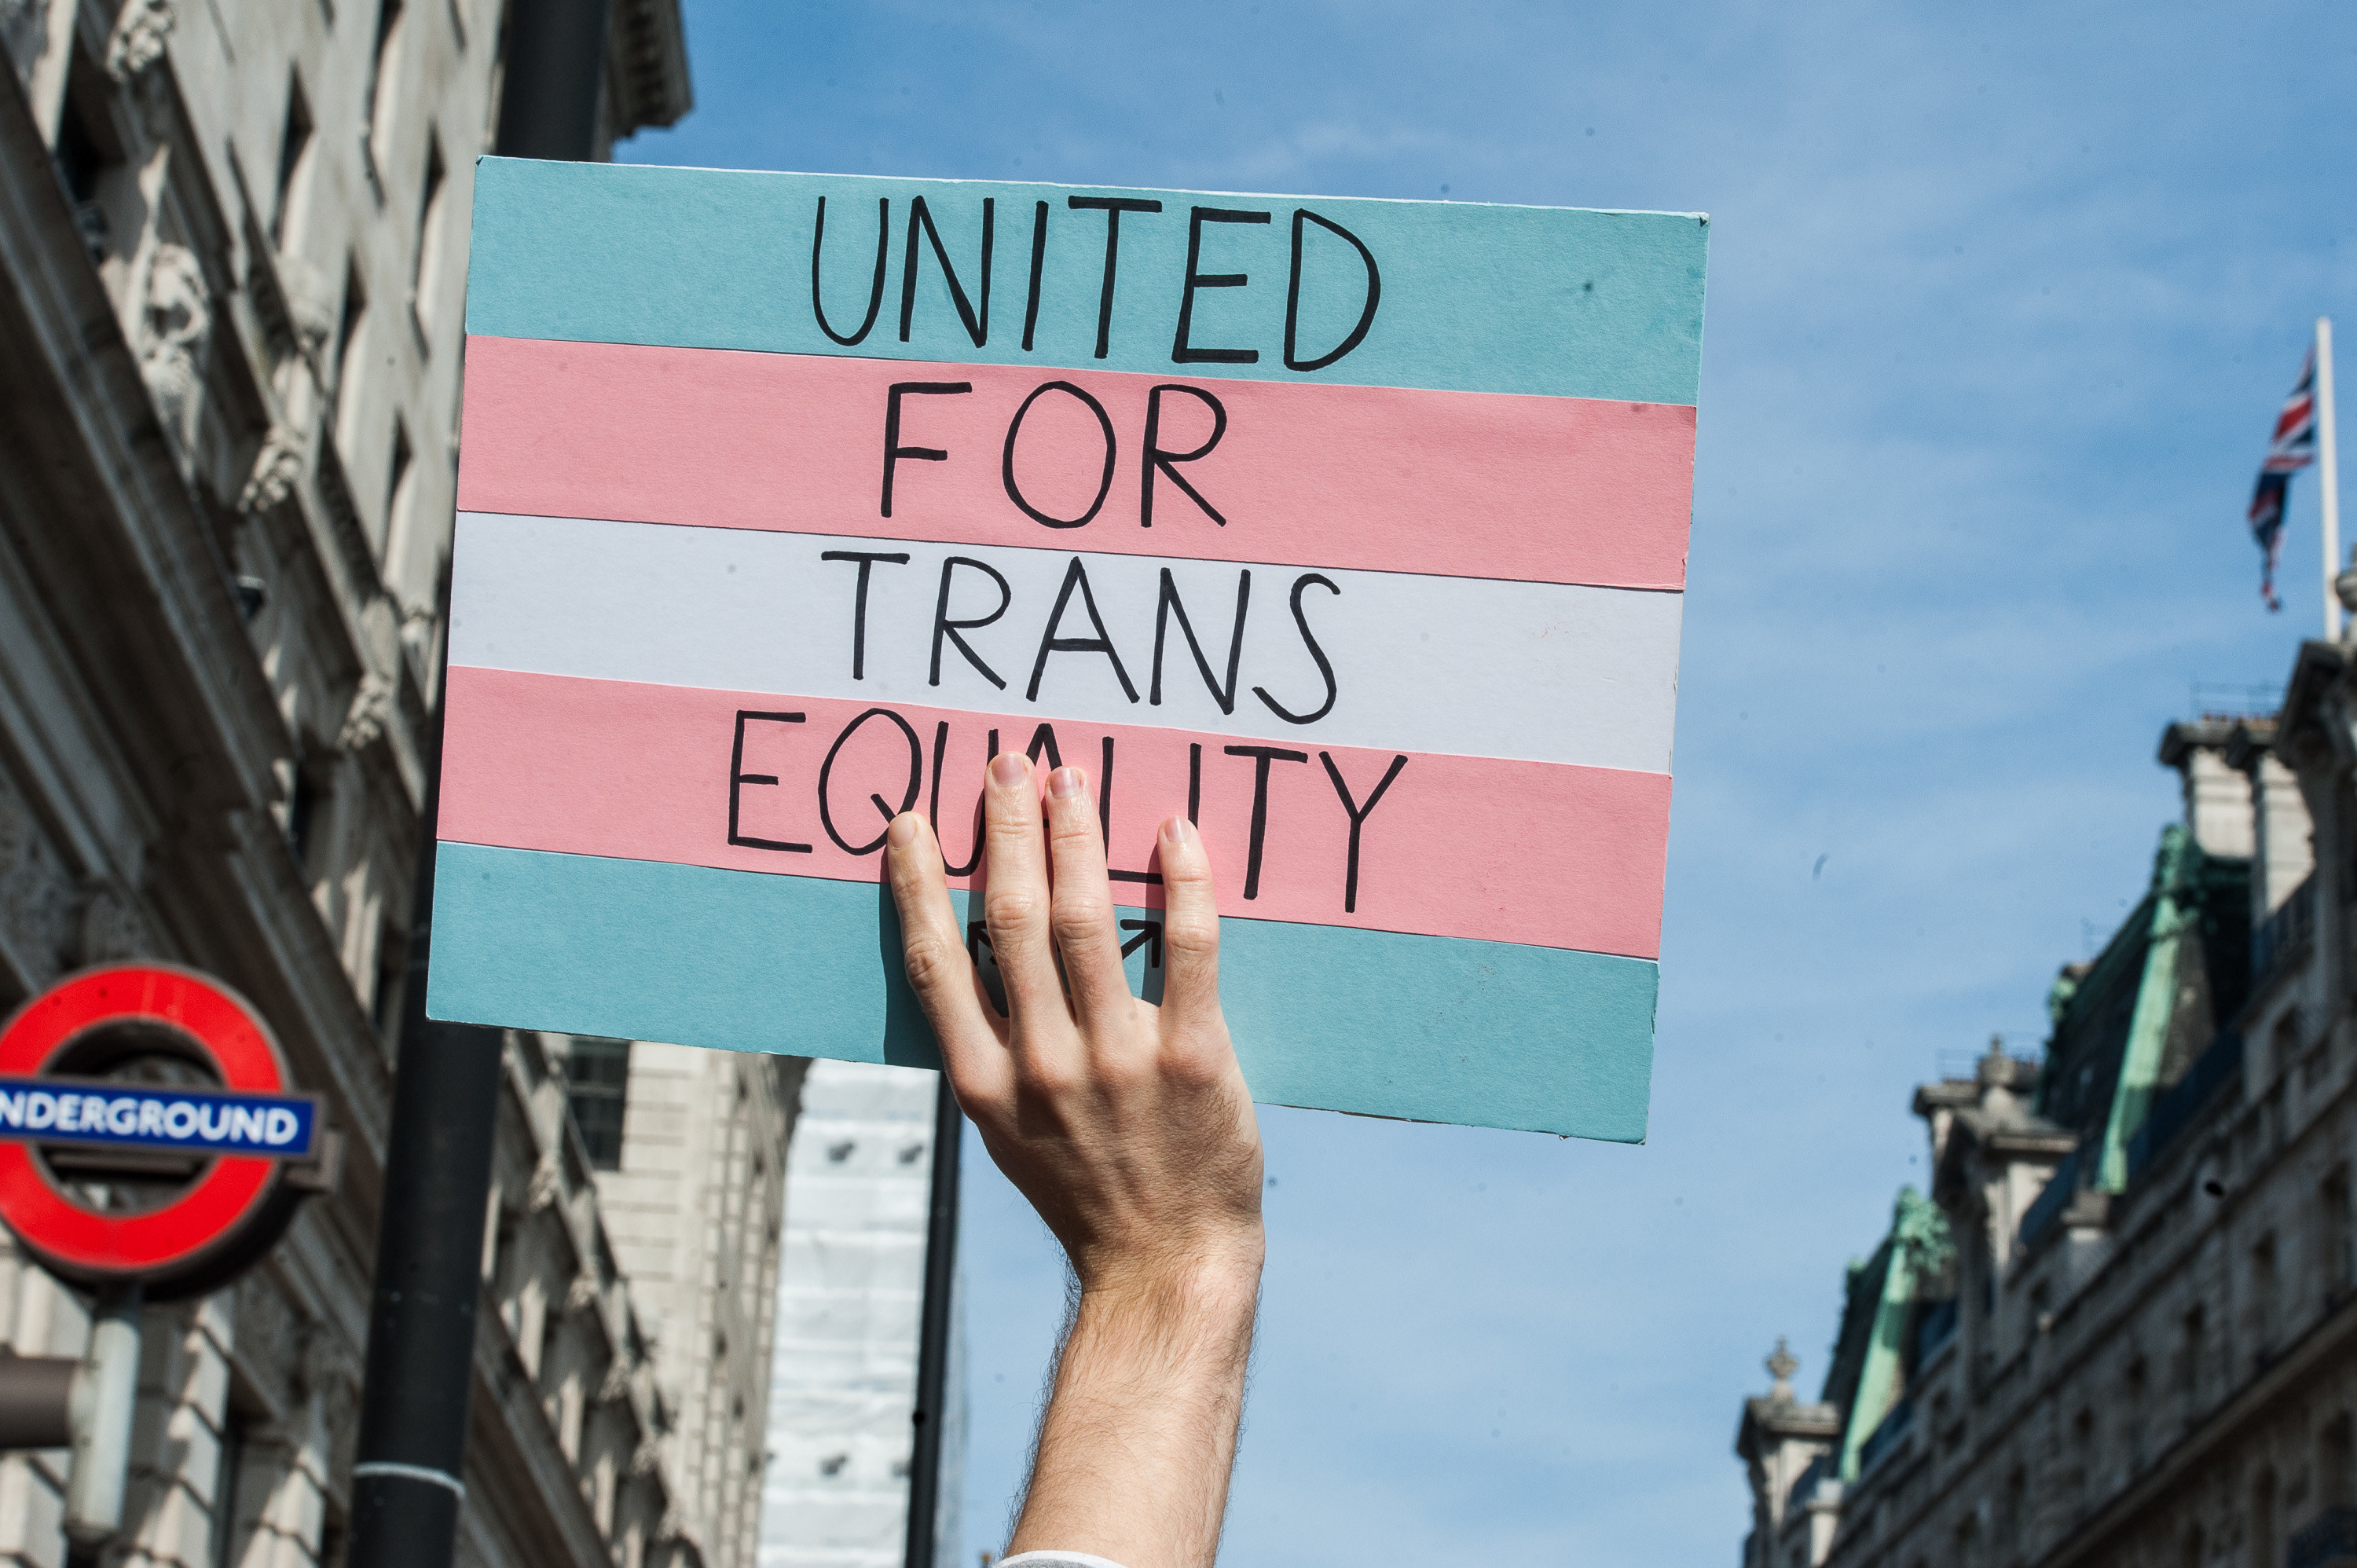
pixel 1014 429
pixel 1105 825
pixel 916 773
pixel 1147 931
pixel 1195 782
pixel 875 290
pixel 859 612
pixel 1181 352
pixel 1358 815
pixel 976 327
pixel 1076 576
pixel 893 450
pixel 1157 459
pixel 944 626
pixel 1169 601
pixel 1262 757
pixel 1113 207
pixel 1293 295
pixel 1039 262
pixel 738 778
pixel 1316 652
pixel 940 749
pixel 1044 739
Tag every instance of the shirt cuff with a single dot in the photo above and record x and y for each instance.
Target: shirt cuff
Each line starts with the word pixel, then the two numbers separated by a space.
pixel 1056 1560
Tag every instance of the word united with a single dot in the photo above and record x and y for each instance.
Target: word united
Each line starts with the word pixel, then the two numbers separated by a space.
pixel 138 1116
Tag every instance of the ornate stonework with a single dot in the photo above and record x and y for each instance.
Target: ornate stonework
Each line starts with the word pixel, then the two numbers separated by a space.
pixel 137 41
pixel 175 322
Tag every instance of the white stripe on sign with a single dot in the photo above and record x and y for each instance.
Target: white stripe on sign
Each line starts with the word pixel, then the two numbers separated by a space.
pixel 1475 667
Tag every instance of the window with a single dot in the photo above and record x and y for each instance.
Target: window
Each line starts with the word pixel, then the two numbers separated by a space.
pixel 2262 1517
pixel 350 328
pixel 230 1531
pixel 2189 1353
pixel 294 161
pixel 424 267
pixel 2262 1295
pixel 379 101
pixel 301 809
pixel 86 154
pixel 392 970
pixel 2339 1250
pixel 396 494
pixel 597 1085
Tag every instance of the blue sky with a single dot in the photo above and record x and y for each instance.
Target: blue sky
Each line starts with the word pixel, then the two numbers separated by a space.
pixel 2002 301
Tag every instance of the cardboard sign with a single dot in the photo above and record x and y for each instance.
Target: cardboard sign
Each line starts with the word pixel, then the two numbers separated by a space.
pixel 1353 530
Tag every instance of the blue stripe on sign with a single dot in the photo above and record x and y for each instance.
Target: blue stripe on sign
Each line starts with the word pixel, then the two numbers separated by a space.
pixel 1557 301
pixel 1424 1027
pixel 143 1116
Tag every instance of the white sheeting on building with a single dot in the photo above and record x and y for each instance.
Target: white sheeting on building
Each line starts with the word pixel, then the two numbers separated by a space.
pixel 850 1296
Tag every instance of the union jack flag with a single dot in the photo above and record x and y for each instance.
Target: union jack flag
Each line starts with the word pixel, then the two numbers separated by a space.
pixel 2292 449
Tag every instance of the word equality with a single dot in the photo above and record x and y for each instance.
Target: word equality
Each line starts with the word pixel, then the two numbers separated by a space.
pixel 858 789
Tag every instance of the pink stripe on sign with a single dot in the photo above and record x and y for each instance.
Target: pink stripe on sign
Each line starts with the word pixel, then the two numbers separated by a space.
pixel 1541 854
pixel 1380 478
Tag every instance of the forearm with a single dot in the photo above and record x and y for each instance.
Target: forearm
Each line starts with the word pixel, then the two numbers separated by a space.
pixel 1140 1431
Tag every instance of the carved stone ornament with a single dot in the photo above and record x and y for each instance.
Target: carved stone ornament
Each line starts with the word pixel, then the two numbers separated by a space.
pixel 615 1387
pixel 1782 1364
pixel 113 929
pixel 582 1294
pixel 174 324
pixel 277 469
pixel 364 723
pixel 137 41
pixel 547 1184
pixel 24 34
pixel 647 1457
pixel 310 301
pixel 36 899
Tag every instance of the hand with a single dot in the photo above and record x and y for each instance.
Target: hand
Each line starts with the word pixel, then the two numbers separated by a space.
pixel 1127 1126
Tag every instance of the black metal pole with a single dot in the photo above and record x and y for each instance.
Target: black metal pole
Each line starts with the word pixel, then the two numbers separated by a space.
pixel 409 1465
pixel 409 1468
pixel 555 74
pixel 933 1333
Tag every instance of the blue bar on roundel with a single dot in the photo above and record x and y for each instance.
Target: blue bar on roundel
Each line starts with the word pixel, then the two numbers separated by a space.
pixel 146 1116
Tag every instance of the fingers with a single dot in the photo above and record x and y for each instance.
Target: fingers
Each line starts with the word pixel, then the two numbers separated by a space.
pixel 940 970
pixel 1191 928
pixel 1015 892
pixel 1082 911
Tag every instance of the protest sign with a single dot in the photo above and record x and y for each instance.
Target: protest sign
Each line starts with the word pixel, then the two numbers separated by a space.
pixel 1353 530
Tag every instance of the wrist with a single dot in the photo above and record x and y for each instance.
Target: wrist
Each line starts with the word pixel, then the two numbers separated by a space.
pixel 1212 1286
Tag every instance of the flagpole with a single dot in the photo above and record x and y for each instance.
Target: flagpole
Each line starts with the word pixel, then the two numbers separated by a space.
pixel 2327 476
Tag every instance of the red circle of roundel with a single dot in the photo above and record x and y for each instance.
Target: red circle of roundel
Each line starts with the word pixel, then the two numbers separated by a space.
pixel 233 1039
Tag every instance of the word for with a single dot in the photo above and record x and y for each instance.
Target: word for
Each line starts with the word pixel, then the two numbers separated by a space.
pixel 1184 350
pixel 872 763
pixel 154 1118
pixel 1161 462
pixel 949 630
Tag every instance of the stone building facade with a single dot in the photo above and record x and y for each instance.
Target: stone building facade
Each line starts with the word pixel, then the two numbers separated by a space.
pixel 233 259
pixel 2120 1330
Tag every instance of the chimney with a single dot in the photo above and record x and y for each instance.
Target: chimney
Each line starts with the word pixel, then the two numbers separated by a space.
pixel 2217 797
pixel 2286 850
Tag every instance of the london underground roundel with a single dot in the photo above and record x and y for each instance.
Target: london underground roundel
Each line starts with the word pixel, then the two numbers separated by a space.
pixel 146 1125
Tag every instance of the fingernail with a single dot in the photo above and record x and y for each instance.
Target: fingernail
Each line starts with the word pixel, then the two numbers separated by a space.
pixel 1065 782
pixel 1010 768
pixel 1177 830
pixel 903 830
